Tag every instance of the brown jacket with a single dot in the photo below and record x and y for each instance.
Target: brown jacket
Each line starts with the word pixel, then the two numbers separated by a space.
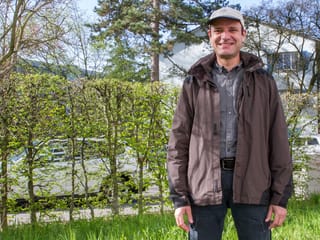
pixel 263 169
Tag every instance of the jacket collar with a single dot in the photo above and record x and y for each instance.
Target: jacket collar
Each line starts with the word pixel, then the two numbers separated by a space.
pixel 202 69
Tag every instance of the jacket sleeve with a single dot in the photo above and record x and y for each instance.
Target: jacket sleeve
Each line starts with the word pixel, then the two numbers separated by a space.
pixel 279 155
pixel 178 146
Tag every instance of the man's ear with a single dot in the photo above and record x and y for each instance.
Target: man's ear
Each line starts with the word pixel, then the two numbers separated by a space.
pixel 244 35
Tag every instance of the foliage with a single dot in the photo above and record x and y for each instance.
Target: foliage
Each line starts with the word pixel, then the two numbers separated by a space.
pixel 100 140
pixel 39 110
pixel 300 125
pixel 124 64
pixel 27 28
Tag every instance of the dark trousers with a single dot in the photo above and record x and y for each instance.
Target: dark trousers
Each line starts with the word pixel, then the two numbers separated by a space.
pixel 249 219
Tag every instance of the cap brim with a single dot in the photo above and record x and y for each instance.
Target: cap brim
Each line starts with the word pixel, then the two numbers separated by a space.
pixel 211 20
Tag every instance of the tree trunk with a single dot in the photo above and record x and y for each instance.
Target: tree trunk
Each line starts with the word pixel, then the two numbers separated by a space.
pixel 161 197
pixel 155 42
pixel 115 187
pixel 4 177
pixel 73 176
pixel 140 186
pixel 155 67
pixel 30 161
pixel 85 175
pixel 317 73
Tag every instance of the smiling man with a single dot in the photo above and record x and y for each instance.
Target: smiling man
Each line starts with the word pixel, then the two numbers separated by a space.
pixel 228 145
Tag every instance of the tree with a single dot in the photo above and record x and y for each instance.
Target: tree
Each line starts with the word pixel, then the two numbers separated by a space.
pixel 80 126
pixel 77 55
pixel 25 27
pixel 7 130
pixel 151 27
pixel 140 132
pixel 110 113
pixel 161 101
pixel 40 111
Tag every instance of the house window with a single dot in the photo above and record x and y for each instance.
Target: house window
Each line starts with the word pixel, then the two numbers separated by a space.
pixel 287 61
pixel 284 61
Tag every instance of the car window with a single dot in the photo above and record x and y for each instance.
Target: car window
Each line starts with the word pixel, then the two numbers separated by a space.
pixel 313 141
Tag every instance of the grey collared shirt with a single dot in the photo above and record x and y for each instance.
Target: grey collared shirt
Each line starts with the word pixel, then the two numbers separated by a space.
pixel 228 84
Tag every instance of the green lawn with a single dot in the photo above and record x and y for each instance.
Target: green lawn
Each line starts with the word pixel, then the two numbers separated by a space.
pixel 303 223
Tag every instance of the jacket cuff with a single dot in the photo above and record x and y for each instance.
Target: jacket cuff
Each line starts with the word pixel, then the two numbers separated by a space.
pixel 278 201
pixel 180 202
pixel 282 200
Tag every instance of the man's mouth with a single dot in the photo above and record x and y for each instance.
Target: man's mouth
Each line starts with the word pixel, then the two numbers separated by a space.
pixel 226 43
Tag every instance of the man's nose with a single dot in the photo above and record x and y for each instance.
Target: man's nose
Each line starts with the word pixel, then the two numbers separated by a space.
pixel 225 35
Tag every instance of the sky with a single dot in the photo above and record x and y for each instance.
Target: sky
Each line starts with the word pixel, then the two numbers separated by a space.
pixel 245 3
pixel 88 5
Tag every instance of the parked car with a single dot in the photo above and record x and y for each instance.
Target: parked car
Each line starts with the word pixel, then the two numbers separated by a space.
pixel 53 162
pixel 307 144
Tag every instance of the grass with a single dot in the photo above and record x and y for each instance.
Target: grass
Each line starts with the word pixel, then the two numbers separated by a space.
pixel 303 222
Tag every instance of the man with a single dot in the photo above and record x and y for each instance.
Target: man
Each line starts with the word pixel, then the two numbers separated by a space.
pixel 228 145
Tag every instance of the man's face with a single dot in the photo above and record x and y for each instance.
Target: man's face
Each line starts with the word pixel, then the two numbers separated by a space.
pixel 226 37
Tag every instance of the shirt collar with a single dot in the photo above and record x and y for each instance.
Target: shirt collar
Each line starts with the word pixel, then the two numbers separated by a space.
pixel 222 69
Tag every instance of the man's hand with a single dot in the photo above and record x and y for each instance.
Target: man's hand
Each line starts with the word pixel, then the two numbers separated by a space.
pixel 276 216
pixel 179 215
